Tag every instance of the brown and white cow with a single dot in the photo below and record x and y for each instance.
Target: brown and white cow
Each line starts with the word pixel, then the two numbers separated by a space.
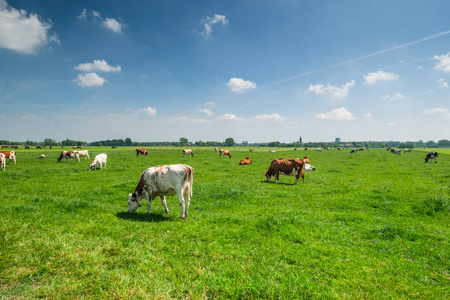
pixel 288 167
pixel 141 151
pixel 11 155
pixel 42 156
pixel 224 152
pixel 164 181
pixel 188 152
pixel 3 161
pixel 245 161
pixel 69 154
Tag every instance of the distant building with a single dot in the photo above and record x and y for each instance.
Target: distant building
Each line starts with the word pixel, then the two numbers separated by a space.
pixel 337 140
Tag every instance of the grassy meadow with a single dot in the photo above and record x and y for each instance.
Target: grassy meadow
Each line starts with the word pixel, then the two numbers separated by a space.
pixel 371 225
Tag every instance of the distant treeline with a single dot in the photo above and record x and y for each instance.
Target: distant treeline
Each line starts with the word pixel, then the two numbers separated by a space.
pixel 229 142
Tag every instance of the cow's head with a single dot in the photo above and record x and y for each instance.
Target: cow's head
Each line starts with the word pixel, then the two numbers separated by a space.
pixel 134 202
pixel 92 166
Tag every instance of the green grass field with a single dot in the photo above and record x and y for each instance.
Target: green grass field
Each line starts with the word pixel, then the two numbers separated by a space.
pixel 369 225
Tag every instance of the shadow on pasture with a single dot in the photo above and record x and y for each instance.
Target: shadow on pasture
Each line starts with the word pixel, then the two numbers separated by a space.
pixel 281 183
pixel 141 217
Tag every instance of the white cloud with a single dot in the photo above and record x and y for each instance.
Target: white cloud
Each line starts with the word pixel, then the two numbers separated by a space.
pixel 336 114
pixel 208 22
pixel 30 117
pixel 206 111
pixel 368 116
pixel 391 124
pixel 334 91
pixel 22 32
pixel 372 78
pixel 83 15
pixel 239 85
pixel 109 23
pixel 443 62
pixel 227 117
pixel 89 80
pixel 273 117
pixel 113 25
pixel 397 96
pixel 442 83
pixel 98 65
pixel 436 111
pixel 420 67
pixel 148 111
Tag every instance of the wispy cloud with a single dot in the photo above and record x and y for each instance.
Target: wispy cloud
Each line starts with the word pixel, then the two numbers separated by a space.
pixel 206 111
pixel 336 114
pixel 442 83
pixel 148 111
pixel 273 117
pixel 372 78
pixel 397 96
pixel 334 91
pixel 112 24
pixel 208 22
pixel 22 32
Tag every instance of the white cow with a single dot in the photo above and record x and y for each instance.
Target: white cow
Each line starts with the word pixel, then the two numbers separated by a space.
pixel 164 181
pixel 99 160
pixel 3 161
pixel 42 156
pixel 83 153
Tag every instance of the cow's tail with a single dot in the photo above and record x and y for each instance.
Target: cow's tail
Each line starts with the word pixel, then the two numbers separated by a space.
pixel 190 179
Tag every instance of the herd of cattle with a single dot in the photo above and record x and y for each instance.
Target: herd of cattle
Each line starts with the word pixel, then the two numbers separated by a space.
pixel 166 180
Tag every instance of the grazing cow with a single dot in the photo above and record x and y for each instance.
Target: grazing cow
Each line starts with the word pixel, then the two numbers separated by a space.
pixel 83 153
pixel 141 151
pixel 251 150
pixel 430 156
pixel 339 149
pixel 406 150
pixel 164 181
pixel 272 151
pixel 188 152
pixel 27 147
pixel 354 151
pixel 286 166
pixel 38 147
pixel 42 156
pixel 3 161
pixel 245 161
pixel 11 155
pixel 69 154
pixel 216 150
pixel 99 160
pixel 319 149
pixel 397 151
pixel 224 152
pixel 306 148
pixel 361 149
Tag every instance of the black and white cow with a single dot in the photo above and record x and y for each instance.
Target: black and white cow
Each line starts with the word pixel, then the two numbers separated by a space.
pixel 164 181
pixel 430 156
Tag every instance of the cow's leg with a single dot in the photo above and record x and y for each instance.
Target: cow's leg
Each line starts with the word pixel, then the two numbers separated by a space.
pixel 187 196
pixel 163 201
pixel 149 203
pixel 182 204
pixel 277 178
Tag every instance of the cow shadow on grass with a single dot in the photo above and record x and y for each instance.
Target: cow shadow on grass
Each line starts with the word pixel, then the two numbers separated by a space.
pixel 273 182
pixel 142 217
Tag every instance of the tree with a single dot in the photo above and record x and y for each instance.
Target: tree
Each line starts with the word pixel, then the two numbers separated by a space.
pixel 229 142
pixel 183 141
pixel 128 141
pixel 49 142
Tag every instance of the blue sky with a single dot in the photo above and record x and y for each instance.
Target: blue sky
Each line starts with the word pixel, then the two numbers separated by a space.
pixel 256 71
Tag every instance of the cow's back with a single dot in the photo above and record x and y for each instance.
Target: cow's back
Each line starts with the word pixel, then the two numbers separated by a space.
pixel 167 179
